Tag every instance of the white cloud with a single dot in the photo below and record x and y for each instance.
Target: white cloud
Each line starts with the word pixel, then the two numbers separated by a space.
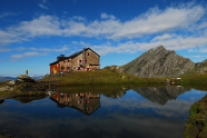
pixel 202 25
pixel 163 37
pixel 4 14
pixel 5 49
pixel 19 48
pixel 79 18
pixel 153 22
pixel 203 50
pixel 197 56
pixel 106 16
pixel 43 6
pixel 9 49
pixel 64 48
pixel 176 43
pixel 74 42
pixel 192 50
pixel 27 54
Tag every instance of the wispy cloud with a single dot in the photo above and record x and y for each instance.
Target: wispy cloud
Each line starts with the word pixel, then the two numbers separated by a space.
pixel 9 49
pixel 203 50
pixel 79 18
pixel 197 56
pixel 4 14
pixel 28 54
pixel 19 48
pixel 175 43
pixel 152 23
pixel 5 49
pixel 43 6
pixel 74 42
pixel 63 49
pixel 106 16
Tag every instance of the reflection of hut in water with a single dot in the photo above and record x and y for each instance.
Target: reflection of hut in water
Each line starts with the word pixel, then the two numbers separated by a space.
pixel 85 102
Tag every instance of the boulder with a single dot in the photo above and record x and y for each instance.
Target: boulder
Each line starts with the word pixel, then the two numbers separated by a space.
pixel 123 77
pixel 25 78
pixel 11 82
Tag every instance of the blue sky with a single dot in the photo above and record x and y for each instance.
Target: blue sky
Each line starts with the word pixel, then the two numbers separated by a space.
pixel 33 33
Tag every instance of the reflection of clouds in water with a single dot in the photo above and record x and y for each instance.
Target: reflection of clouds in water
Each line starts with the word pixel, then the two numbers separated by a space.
pixel 109 125
pixel 173 108
pixel 118 123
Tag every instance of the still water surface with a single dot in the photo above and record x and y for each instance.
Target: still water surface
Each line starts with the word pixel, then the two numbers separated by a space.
pixel 139 112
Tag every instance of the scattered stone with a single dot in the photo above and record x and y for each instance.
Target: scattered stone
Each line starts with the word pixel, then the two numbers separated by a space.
pixel 123 77
pixel 12 82
pixel 6 88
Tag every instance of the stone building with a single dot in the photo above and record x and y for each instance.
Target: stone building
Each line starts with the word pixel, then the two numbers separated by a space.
pixel 87 59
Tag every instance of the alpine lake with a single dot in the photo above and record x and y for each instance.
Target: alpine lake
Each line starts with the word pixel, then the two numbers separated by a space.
pixel 112 111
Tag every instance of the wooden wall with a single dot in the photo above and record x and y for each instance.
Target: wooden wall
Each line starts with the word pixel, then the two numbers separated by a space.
pixel 54 68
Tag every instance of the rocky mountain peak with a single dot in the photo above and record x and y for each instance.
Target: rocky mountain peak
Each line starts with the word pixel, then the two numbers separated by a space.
pixel 159 62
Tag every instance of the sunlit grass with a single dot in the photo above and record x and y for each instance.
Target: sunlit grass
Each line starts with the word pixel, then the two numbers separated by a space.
pixel 100 77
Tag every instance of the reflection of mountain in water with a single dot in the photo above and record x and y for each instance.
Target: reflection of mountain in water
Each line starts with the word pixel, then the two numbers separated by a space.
pixel 117 94
pixel 161 94
pixel 28 99
pixel 85 102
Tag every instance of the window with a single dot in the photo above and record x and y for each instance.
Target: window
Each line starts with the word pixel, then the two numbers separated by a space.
pixel 88 54
pixel 80 61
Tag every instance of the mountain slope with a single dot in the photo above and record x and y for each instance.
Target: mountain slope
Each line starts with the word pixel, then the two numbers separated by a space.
pixel 158 63
pixel 200 68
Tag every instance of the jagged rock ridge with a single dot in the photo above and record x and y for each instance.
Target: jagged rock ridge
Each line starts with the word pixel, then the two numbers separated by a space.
pixel 158 63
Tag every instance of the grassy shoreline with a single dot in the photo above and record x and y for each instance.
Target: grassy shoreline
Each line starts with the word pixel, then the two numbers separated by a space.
pixel 197 120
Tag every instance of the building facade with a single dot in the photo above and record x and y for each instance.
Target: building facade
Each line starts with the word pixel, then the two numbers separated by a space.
pixel 87 59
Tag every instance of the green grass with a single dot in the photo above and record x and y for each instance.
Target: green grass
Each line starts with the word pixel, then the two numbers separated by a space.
pixel 200 79
pixel 109 76
pixel 197 120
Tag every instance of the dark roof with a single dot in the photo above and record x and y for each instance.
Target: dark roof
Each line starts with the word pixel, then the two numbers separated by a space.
pixel 72 56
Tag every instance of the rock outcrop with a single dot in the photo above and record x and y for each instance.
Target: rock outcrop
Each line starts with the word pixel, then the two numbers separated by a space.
pixel 21 78
pixel 158 63
pixel 25 78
